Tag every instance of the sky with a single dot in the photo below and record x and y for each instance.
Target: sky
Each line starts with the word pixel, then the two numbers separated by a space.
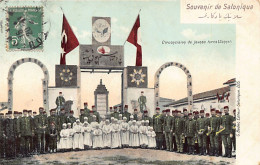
pixel 210 64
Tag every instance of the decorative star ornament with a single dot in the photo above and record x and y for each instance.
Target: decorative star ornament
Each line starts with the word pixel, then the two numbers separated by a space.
pixel 66 75
pixel 137 77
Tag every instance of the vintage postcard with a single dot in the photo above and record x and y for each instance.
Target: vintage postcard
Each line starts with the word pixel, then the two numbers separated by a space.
pixel 129 82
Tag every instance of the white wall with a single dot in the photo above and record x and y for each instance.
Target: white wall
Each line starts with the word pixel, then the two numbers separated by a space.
pixel 132 94
pixel 69 94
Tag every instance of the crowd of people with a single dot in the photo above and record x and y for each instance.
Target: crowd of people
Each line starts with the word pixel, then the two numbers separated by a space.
pixel 25 134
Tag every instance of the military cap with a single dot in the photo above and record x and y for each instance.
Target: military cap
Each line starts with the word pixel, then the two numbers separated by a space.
pixel 52 110
pixel 34 112
pixel 20 113
pixel 212 110
pixel 41 108
pixel 29 111
pixel 234 110
pixel 62 109
pixel 91 111
pixel 207 114
pixel 179 112
pixel 71 111
pixel 44 112
pixel 111 107
pixel 142 91
pixel 25 110
pixel 135 109
pixel 202 111
pixel 185 110
pixel 189 114
pixel 1 114
pixel 16 112
pixel 93 106
pixel 81 110
pixel 126 106
pixel 145 111
pixel 194 112
pixel 217 111
pixel 9 112
pixel 157 108
pixel 85 103
pixel 225 107
pixel 60 92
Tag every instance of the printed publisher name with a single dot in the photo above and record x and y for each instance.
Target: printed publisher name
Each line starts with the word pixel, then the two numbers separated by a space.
pixel 195 42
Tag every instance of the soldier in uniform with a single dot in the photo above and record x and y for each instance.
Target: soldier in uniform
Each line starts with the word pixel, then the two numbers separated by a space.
pixel 94 109
pixel 71 119
pixel 126 113
pixel 168 130
pixel 116 114
pixel 86 110
pixel 135 115
pixel 31 144
pixel 2 136
pixel 212 129
pixel 142 102
pixel 196 145
pixel 158 128
pixel 163 140
pixel 52 119
pixel 190 129
pixel 146 117
pixel 62 119
pixel 208 139
pixel 185 117
pixel 226 131
pixel 17 138
pixel 91 118
pixel 60 101
pixel 233 139
pixel 41 124
pixel 25 132
pixel 9 132
pixel 174 114
pixel 218 115
pixel 34 139
pixel 82 115
pixel 202 125
pixel 179 131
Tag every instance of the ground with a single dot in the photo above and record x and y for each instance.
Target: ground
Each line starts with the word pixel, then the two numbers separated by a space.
pixel 120 156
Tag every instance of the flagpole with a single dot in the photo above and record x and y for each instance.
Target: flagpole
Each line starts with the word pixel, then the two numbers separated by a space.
pixel 133 25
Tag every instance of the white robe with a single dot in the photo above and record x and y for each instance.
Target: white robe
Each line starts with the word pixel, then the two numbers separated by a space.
pixel 130 133
pixel 70 138
pixel 143 135
pixel 78 137
pixel 116 140
pixel 125 133
pixel 135 136
pixel 97 138
pixel 64 135
pixel 151 139
pixel 107 136
pixel 101 124
pixel 87 136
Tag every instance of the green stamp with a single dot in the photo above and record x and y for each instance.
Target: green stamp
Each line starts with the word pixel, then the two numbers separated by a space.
pixel 24 28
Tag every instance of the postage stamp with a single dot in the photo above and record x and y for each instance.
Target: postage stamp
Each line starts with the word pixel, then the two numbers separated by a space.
pixel 24 28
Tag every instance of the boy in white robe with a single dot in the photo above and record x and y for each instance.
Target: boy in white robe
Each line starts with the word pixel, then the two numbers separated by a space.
pixel 116 140
pixel 151 138
pixel 146 123
pixel 130 133
pixel 107 135
pixel 142 135
pixel 64 134
pixel 94 122
pixel 78 136
pixel 97 138
pixel 135 136
pixel 125 133
pixel 102 122
pixel 70 138
pixel 87 139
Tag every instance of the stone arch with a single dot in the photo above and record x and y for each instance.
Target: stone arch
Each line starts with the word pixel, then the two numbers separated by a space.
pixel 157 84
pixel 45 81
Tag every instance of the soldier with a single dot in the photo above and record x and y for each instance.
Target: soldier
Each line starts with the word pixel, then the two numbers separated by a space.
pixel 226 131
pixel 178 131
pixel 2 136
pixel 126 113
pixel 34 138
pixel 196 145
pixel 135 114
pixel 202 125
pixel 168 130
pixel 212 129
pixel 90 118
pixel 146 117
pixel 53 132
pixel 185 117
pixel 17 138
pixel 158 128
pixel 82 115
pixel 25 132
pixel 9 132
pixel 115 114
pixel 30 116
pixel 71 119
pixel 233 139
pixel 163 140
pixel 218 115
pixel 142 102
pixel 208 139
pixel 190 129
pixel 41 124
pixel 174 114
pixel 60 101
pixel 86 110
pixel 62 119
pixel 94 109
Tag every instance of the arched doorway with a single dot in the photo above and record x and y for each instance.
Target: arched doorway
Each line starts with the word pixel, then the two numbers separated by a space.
pixel 157 84
pixel 45 81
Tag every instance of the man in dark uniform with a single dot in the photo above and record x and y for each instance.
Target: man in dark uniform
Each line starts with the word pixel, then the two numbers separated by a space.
pixel 135 115
pixel 185 144
pixel 208 139
pixel 202 125
pixel 9 132
pixel 86 110
pixel 94 109
pixel 178 131
pixel 233 138
pixel 71 119
pixel 158 128
pixel 126 113
pixel 91 118
pixel 168 130
pixel 31 144
pixel 212 129
pixel 115 114
pixel 34 139
pixel 226 125
pixel 218 115
pixel 52 119
pixel 146 117
pixel 2 136
pixel 190 129
pixel 41 124
pixel 82 115
pixel 174 114
pixel 60 101
pixel 62 119
pixel 17 138
pixel 163 140
pixel 196 144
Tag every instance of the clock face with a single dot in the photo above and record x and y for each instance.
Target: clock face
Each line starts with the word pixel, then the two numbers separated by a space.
pixel 101 30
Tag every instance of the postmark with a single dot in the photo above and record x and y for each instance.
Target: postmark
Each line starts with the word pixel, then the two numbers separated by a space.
pixel 24 28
